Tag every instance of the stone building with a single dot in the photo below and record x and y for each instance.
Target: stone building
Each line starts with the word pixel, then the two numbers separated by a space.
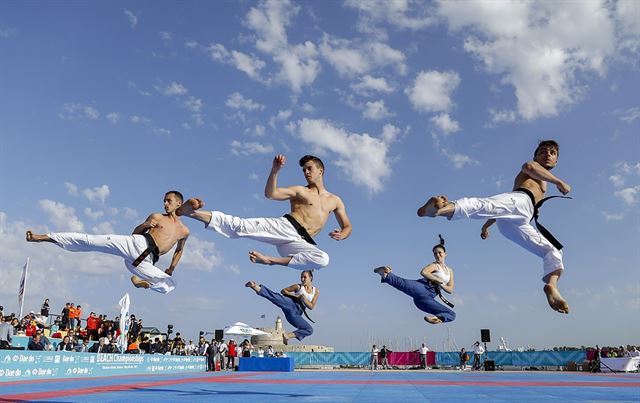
pixel 274 339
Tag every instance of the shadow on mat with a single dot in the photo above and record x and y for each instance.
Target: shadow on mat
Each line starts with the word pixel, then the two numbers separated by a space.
pixel 209 392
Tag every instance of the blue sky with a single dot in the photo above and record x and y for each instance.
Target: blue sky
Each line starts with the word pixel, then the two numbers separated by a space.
pixel 105 106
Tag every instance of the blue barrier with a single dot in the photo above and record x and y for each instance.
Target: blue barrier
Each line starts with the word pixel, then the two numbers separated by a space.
pixel 282 364
pixel 337 358
pixel 518 359
pixel 28 365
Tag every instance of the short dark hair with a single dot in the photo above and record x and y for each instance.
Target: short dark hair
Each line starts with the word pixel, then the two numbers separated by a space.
pixel 547 143
pixel 440 244
pixel 309 272
pixel 177 194
pixel 313 158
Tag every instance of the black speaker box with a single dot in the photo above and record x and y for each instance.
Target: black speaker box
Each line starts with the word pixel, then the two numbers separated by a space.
pixel 219 335
pixel 489 365
pixel 485 335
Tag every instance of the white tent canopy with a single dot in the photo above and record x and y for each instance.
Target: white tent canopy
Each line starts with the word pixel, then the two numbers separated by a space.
pixel 242 329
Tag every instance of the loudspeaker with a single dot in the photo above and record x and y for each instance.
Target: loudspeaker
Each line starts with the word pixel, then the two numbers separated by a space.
pixel 485 335
pixel 489 365
pixel 219 335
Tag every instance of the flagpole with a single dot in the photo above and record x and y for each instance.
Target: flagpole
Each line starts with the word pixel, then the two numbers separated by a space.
pixel 23 286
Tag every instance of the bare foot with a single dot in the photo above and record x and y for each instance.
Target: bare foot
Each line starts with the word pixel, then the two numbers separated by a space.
pixel 169 271
pixel 31 237
pixel 188 207
pixel 434 320
pixel 432 206
pixel 252 284
pixel 140 283
pixel 285 340
pixel 257 257
pixel 382 271
pixel 555 300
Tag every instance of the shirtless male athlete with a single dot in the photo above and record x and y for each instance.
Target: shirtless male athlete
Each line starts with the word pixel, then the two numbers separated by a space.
pixel 513 212
pixel 150 240
pixel 291 234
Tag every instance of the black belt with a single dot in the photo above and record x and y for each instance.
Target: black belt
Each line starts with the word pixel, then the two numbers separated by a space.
pixel 536 209
pixel 300 229
pixel 303 308
pixel 437 289
pixel 152 250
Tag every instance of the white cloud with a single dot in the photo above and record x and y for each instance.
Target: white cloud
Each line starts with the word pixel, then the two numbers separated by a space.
pixel 403 14
pixel 608 217
pixel 191 44
pixel 628 195
pixel 254 176
pixel 61 216
pixel 103 228
pixel 542 49
pixel 431 91
pixel 628 168
pixel 376 110
pixel 93 214
pixel 174 89
pixel 7 32
pixel 161 131
pixel 237 101
pixel 200 255
pixel 133 20
pixel 458 160
pixel 368 84
pixel 249 148
pixel 98 193
pixel 257 131
pixel 352 58
pixel 71 111
pixel 281 116
pixel 627 16
pixel 130 213
pixel 194 104
pixel 249 64
pixel 298 64
pixel 165 36
pixel 135 119
pixel 630 114
pixel 444 122
pixel 113 117
pixel 502 116
pixel 361 157
pixel 71 188
pixel 308 108
pixel 617 180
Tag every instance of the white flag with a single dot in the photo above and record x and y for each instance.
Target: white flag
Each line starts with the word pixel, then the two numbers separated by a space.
pixel 124 323
pixel 23 286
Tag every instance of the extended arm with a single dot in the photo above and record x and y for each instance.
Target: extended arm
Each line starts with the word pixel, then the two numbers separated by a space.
pixel 343 220
pixel 538 172
pixel 271 189
pixel 484 232
pixel 177 254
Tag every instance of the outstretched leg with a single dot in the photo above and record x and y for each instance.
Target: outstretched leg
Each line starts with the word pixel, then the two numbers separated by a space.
pixel 554 298
pixel 257 257
pixel 140 283
pixel 437 206
pixel 31 237
pixel 191 208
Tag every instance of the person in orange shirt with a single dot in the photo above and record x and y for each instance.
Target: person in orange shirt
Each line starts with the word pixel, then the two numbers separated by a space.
pixel 79 315
pixel 73 318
